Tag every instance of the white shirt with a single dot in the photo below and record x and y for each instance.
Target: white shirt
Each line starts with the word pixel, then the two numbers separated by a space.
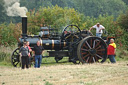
pixel 98 28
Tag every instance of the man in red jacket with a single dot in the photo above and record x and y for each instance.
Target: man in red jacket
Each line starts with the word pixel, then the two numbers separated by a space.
pixel 111 51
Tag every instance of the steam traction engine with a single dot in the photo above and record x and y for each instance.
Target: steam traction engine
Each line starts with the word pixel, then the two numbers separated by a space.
pixel 79 46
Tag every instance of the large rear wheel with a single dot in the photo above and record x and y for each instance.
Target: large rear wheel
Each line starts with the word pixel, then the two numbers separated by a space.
pixel 92 49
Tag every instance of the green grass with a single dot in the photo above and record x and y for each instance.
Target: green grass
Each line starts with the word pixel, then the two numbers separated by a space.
pixel 45 61
pixel 47 83
pixel 5 57
pixel 4 63
pixel 6 52
pixel 51 61
pixel 87 74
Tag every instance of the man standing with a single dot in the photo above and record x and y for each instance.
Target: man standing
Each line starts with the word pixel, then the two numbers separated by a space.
pixel 111 51
pixel 38 54
pixel 98 28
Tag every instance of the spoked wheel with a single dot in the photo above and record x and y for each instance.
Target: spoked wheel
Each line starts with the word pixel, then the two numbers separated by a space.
pixel 72 34
pixel 91 50
pixel 15 58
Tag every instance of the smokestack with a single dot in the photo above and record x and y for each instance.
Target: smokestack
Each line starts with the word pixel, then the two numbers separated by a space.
pixel 24 26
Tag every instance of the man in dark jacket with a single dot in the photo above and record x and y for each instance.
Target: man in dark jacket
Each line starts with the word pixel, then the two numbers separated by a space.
pixel 38 54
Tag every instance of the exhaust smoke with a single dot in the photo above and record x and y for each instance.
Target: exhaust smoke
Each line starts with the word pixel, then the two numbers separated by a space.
pixel 13 8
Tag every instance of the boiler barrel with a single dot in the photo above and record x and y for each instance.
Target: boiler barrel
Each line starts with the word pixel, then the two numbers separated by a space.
pixel 47 44
pixel 52 44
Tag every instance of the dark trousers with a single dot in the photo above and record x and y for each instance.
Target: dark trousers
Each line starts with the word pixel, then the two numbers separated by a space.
pixel 24 61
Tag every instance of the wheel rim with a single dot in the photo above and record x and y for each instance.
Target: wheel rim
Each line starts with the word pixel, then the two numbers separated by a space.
pixel 15 58
pixel 91 50
pixel 74 36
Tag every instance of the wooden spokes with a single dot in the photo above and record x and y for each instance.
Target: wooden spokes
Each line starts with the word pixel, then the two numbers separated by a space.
pixel 91 50
pixel 72 34
pixel 15 58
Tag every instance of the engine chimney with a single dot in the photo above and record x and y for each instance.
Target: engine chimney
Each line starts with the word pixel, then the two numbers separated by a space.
pixel 24 26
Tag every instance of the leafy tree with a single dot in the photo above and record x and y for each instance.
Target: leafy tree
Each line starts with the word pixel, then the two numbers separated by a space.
pixel 100 7
pixel 2 12
pixel 55 16
pixel 61 3
pixel 123 20
pixel 58 18
pixel 87 7
pixel 7 34
pixel 126 1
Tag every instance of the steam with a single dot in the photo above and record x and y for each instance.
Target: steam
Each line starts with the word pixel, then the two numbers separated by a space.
pixel 13 8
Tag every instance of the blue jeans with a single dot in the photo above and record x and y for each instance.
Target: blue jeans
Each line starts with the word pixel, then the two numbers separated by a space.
pixel 112 58
pixel 99 34
pixel 38 60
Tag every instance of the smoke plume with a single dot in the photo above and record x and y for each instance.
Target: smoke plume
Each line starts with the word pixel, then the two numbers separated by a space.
pixel 13 8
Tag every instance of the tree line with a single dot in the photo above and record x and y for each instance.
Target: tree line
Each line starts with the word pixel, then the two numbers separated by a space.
pixel 45 12
pixel 57 18
pixel 92 8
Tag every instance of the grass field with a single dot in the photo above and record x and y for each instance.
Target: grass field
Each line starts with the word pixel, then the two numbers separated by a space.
pixel 67 74
pixel 63 73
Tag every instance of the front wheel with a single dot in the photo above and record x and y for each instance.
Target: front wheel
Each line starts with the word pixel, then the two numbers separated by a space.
pixel 15 58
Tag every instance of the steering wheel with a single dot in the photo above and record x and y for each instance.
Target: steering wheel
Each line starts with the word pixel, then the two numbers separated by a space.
pixel 71 33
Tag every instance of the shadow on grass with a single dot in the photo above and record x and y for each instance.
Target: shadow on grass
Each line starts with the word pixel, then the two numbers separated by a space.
pixel 62 62
pixel 51 61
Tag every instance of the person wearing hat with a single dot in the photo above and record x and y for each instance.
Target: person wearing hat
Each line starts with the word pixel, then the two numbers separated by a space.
pixel 98 28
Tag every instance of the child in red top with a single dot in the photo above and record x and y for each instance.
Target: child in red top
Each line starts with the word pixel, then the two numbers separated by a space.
pixel 111 51
pixel 30 50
